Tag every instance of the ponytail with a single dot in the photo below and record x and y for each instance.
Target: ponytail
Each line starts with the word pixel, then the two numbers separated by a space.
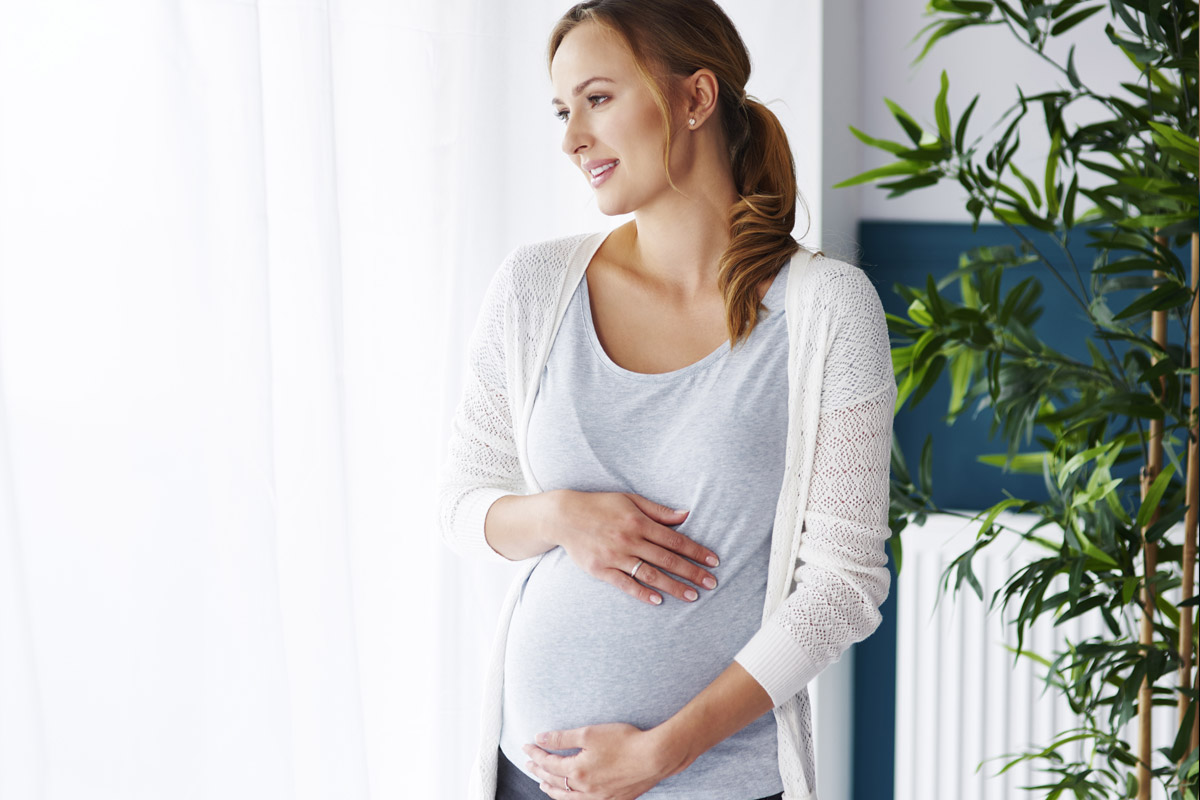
pixel 760 223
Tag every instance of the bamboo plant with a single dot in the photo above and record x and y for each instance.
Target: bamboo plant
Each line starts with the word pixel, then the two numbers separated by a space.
pixel 1112 546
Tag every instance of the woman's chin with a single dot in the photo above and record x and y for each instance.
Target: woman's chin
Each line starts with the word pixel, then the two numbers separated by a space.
pixel 610 207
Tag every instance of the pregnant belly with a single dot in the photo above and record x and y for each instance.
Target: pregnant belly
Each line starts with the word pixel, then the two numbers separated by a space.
pixel 582 652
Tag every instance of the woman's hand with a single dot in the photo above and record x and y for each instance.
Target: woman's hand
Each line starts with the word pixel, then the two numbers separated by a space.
pixel 615 762
pixel 608 533
pixel 620 762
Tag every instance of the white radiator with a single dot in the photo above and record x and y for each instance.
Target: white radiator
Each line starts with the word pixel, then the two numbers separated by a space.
pixel 960 697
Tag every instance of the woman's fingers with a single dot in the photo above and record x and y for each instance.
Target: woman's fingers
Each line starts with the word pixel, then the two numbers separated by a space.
pixel 551 784
pixel 662 518
pixel 668 561
pixel 650 575
pixel 629 586
pixel 657 511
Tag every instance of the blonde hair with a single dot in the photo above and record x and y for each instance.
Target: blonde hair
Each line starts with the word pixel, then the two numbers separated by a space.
pixel 678 37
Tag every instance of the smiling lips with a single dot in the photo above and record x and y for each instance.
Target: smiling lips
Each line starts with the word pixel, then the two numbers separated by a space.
pixel 601 171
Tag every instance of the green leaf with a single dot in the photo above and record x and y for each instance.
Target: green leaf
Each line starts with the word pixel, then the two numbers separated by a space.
pixel 1165 296
pixel 1010 12
pixel 930 154
pixel 927 348
pixel 1029 185
pixel 1089 549
pixel 1154 220
pixel 1008 215
pixel 882 144
pixel 995 511
pixel 1028 463
pixel 1175 137
pixel 961 132
pixel 1072 73
pixel 1097 492
pixel 1165 366
pixel 919 314
pixel 936 307
pixel 1034 220
pixel 1150 503
pixel 897 548
pixel 915 182
pixel 1133 264
pixel 888 170
pixel 946 28
pixel 1051 177
pixel 1063 7
pixel 961 369
pixel 941 110
pixel 910 126
pixel 1168 610
pixel 1079 459
pixel 1129 589
pixel 1064 25
pixel 1183 738
pixel 1179 146
pixel 963 6
pixel 925 467
pixel 1069 202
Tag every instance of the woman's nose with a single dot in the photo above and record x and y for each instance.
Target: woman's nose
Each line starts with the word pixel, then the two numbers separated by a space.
pixel 574 137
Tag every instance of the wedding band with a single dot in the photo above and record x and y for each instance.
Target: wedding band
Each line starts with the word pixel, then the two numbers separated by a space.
pixel 566 785
pixel 635 569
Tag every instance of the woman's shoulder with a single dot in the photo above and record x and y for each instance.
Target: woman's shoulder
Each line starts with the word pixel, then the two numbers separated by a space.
pixel 539 265
pixel 832 283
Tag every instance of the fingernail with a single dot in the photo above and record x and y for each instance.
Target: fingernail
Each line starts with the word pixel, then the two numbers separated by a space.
pixel 712 561
pixel 709 583
pixel 681 511
pixel 541 738
pixel 655 599
pixel 690 594
pixel 529 765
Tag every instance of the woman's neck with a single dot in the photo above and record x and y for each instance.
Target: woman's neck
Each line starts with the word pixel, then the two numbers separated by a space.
pixel 678 246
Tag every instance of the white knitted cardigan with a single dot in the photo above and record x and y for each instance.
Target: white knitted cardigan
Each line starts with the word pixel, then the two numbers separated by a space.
pixel 824 587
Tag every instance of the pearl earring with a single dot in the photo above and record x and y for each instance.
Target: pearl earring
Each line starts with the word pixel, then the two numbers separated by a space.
pixel 691 122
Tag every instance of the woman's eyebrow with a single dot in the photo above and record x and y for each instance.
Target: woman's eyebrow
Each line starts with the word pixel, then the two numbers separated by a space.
pixel 581 87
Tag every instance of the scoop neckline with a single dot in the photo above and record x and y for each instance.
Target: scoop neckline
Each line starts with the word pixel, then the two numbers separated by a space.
pixel 775 309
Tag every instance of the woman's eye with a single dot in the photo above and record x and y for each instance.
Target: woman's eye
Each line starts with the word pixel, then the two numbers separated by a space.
pixel 595 100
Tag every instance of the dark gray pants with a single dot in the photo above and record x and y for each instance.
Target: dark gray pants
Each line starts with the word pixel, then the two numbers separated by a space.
pixel 512 784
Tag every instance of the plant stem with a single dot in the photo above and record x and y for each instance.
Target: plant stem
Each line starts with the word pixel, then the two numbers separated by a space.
pixel 1066 362
pixel 1062 244
pixel 1045 261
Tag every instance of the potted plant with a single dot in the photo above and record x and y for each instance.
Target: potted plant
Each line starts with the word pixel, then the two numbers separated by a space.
pixel 1115 542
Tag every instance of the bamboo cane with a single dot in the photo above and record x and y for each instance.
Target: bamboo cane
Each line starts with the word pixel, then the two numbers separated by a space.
pixel 1193 495
pixel 1158 328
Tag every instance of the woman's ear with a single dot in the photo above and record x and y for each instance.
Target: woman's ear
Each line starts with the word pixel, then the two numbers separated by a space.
pixel 701 90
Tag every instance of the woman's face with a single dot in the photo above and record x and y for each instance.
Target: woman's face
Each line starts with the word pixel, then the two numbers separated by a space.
pixel 610 119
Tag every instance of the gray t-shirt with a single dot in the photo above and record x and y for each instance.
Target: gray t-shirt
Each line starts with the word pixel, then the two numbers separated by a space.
pixel 709 438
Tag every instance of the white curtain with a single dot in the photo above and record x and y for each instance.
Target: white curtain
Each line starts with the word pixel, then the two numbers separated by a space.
pixel 242 245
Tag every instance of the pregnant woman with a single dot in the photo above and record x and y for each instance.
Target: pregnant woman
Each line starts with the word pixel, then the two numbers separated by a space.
pixel 682 428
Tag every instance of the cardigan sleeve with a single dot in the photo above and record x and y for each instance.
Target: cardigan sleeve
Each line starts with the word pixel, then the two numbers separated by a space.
pixel 842 576
pixel 481 464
